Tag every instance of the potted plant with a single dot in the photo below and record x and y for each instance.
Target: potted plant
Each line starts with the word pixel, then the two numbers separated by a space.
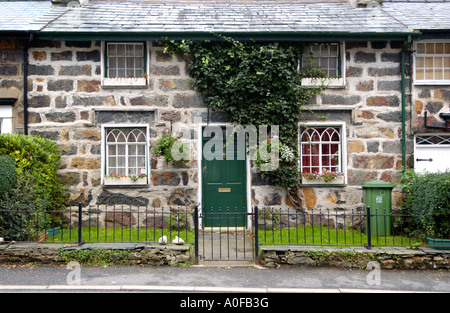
pixel 171 148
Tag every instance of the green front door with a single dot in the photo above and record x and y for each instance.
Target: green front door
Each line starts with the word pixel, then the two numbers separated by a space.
pixel 224 195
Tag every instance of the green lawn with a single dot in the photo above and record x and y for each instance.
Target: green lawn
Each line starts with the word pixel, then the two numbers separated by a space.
pixel 295 236
pixel 329 236
pixel 120 235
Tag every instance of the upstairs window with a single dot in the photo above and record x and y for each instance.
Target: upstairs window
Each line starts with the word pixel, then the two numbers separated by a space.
pixel 329 58
pixel 125 64
pixel 325 56
pixel 432 62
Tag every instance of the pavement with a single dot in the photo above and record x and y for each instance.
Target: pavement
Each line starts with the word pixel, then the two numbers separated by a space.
pixel 213 278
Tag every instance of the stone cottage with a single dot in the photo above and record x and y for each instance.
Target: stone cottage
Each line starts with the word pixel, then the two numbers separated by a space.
pixel 92 77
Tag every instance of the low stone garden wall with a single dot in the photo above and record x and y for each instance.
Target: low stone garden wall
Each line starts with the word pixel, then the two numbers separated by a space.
pixel 355 257
pixel 97 254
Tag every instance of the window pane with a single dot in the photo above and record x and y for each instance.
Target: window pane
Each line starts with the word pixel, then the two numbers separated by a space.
pixel 132 150
pixel 429 48
pixel 138 62
pixel 112 49
pixel 439 48
pixel 447 62
pixel 429 74
pixel 112 162
pixel 447 48
pixel 420 74
pixel 121 150
pixel 420 62
pixel 420 48
pixel 447 74
pixel 121 49
pixel 130 50
pixel 141 163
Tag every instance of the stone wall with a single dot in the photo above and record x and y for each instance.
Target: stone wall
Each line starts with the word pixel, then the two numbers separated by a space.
pixel 11 78
pixel 68 104
pixel 432 99
pixel 356 257
pixel 119 254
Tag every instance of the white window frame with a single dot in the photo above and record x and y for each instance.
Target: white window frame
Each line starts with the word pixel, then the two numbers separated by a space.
pixel 6 119
pixel 118 82
pixel 331 82
pixel 416 54
pixel 342 150
pixel 104 156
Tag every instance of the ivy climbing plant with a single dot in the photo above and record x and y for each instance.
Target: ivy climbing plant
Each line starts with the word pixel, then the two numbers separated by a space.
pixel 254 84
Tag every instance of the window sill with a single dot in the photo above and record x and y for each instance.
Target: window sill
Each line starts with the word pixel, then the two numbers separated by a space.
pixel 432 83
pixel 132 83
pixel 124 182
pixel 326 82
pixel 340 182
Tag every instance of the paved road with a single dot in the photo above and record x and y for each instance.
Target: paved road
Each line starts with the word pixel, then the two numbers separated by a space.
pixel 218 279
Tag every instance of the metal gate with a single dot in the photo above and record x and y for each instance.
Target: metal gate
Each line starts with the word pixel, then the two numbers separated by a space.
pixel 229 241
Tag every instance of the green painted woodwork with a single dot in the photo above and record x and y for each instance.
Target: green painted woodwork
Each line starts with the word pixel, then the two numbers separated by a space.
pixel 223 182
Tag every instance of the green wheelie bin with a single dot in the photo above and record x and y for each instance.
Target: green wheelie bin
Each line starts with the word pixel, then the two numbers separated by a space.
pixel 378 196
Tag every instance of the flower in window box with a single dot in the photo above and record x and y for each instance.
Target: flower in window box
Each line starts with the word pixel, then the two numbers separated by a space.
pixel 116 179
pixel 325 176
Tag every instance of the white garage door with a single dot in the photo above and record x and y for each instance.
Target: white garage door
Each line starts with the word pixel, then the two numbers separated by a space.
pixel 432 153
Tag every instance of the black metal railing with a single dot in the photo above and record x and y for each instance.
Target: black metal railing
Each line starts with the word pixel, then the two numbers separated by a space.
pixel 226 234
pixel 335 227
pixel 263 226
pixel 99 224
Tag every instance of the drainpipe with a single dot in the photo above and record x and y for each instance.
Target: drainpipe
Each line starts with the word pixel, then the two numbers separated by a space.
pixel 25 83
pixel 405 47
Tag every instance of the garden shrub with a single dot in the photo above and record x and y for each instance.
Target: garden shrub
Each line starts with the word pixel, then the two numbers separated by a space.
pixel 428 196
pixel 8 176
pixel 36 159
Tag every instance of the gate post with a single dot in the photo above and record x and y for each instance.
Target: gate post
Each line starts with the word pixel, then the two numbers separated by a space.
pixel 255 216
pixel 196 233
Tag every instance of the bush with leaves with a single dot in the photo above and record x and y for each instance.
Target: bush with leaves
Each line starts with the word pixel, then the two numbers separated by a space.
pixel 23 213
pixel 8 176
pixel 427 197
pixel 37 158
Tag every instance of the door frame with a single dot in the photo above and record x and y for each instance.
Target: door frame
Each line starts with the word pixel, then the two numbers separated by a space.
pixel 200 176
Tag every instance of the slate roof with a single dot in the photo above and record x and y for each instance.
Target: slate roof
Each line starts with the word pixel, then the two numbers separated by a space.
pixel 220 17
pixel 421 15
pixel 27 15
pixel 228 17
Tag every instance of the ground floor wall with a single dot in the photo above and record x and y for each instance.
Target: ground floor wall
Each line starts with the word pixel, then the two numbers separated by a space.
pixel 70 103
